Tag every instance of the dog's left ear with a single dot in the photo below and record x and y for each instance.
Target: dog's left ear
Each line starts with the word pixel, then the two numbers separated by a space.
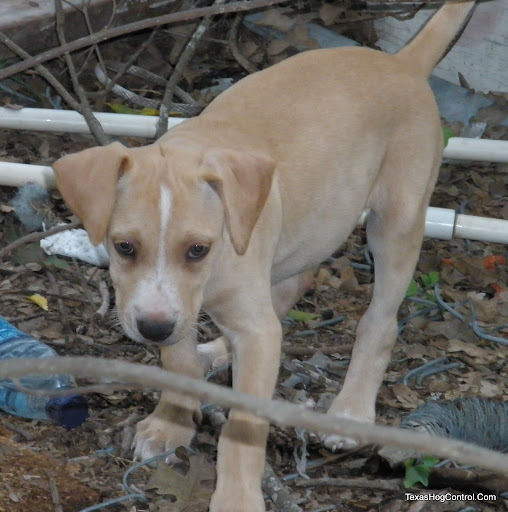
pixel 243 181
pixel 87 181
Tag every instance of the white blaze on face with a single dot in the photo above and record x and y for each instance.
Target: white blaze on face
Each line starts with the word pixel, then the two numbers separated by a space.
pixel 165 214
pixel 156 295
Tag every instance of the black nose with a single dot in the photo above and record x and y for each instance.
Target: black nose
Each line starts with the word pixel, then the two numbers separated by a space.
pixel 153 330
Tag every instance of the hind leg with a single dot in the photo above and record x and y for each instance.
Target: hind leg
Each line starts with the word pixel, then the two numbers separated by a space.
pixel 395 230
pixel 284 296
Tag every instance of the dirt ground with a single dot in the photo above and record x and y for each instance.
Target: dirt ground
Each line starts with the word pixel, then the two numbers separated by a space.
pixel 43 466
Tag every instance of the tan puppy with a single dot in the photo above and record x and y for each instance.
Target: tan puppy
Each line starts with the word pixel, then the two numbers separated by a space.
pixel 229 210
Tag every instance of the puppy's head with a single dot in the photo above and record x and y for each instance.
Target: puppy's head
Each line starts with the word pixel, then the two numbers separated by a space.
pixel 165 214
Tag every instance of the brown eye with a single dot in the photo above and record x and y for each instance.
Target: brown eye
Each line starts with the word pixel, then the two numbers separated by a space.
pixel 125 248
pixel 197 252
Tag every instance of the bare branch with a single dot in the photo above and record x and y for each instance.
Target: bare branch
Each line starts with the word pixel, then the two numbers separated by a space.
pixel 277 492
pixel 352 483
pixel 125 66
pixel 104 35
pixel 278 412
pixel 44 72
pixel 105 298
pixel 34 237
pixel 250 68
pixel 85 109
pixel 174 79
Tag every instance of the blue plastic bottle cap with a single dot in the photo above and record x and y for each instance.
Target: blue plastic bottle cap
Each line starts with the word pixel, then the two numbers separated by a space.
pixel 68 411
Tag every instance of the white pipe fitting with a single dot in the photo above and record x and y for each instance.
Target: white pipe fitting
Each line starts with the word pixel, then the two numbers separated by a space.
pixel 440 223
pixel 445 224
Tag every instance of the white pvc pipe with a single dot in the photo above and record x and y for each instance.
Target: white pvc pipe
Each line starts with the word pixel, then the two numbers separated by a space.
pixel 484 150
pixel 440 223
pixel 445 224
pixel 144 126
pixel 69 121
pixel 15 175
pixel 481 228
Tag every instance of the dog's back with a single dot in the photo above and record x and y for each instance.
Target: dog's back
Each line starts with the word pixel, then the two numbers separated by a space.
pixel 367 103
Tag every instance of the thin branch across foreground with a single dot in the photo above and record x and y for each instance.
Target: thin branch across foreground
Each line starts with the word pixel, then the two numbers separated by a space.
pixel 278 412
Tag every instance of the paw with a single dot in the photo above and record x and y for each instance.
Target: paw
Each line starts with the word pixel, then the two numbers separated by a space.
pixel 156 435
pixel 336 443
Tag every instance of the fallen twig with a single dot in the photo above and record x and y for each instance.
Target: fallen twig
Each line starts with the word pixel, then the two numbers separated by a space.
pixel 39 235
pixel 278 412
pixel 357 483
pixel 105 296
pixel 233 35
pixel 27 436
pixel 176 75
pixel 277 492
pixel 333 457
pixel 53 489
pixel 85 110
pixel 104 35
pixel 467 479
pixel 44 72
pixel 64 317
pixel 84 283
pixel 300 350
pixel 111 82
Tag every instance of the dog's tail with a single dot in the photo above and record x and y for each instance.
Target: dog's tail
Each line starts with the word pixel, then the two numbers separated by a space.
pixel 434 40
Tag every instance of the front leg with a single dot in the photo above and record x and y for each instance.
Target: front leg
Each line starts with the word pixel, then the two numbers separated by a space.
pixel 255 342
pixel 173 422
pixel 285 295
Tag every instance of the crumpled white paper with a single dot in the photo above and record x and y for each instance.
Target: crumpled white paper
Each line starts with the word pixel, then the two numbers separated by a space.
pixel 75 243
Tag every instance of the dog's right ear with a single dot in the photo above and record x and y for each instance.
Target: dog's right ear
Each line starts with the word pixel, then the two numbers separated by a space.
pixel 87 181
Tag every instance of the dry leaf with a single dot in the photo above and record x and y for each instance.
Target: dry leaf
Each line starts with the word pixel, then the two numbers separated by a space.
pixel 274 18
pixel 489 389
pixel 406 396
pixel 41 301
pixel 460 346
pixel 330 12
pixel 349 283
pixel 300 38
pixel 277 47
pixel 192 490
pixel 51 331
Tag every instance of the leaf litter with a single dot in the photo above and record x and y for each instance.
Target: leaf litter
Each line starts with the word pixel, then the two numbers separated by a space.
pixel 190 487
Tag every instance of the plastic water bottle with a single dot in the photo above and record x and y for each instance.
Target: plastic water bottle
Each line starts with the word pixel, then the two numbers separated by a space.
pixel 68 411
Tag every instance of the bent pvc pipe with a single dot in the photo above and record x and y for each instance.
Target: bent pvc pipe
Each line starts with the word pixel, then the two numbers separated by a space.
pixel 144 126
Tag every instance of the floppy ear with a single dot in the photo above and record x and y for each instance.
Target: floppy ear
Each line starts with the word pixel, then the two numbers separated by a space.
pixel 243 181
pixel 87 181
